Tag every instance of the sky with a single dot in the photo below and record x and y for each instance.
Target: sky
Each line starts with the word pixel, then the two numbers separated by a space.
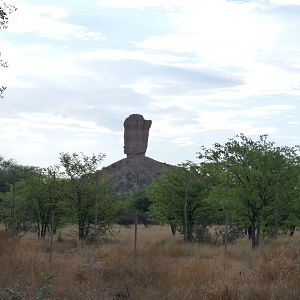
pixel 201 70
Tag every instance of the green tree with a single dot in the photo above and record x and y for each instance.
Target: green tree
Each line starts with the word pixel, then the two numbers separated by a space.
pixel 137 202
pixel 5 167
pixel 81 189
pixel 10 175
pixel 262 180
pixel 180 198
pixel 38 196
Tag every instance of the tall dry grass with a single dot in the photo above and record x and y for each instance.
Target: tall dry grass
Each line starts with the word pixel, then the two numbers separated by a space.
pixel 163 268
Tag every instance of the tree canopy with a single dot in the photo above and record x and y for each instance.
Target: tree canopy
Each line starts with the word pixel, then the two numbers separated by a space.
pixel 263 180
pixel 84 186
pixel 252 184
pixel 243 184
pixel 180 198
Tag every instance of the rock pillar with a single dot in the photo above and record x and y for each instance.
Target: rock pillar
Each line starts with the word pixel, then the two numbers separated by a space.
pixel 136 133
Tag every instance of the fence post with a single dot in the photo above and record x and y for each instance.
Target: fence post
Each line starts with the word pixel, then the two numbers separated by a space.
pixel 135 231
pixel 226 231
pixel 187 181
pixel 97 199
pixel 51 236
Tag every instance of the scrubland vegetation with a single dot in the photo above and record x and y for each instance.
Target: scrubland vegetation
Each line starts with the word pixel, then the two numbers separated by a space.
pixel 243 196
pixel 164 267
pixel 233 216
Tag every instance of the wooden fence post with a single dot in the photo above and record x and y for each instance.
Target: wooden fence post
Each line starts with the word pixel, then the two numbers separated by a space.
pixel 226 231
pixel 135 231
pixel 51 236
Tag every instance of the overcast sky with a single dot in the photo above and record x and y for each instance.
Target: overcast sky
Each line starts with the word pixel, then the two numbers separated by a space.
pixel 201 70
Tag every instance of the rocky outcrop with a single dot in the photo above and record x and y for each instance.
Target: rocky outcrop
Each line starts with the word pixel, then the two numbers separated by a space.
pixel 137 170
pixel 136 133
pixel 134 173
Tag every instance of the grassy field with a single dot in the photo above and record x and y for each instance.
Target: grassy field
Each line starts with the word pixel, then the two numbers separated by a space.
pixel 163 268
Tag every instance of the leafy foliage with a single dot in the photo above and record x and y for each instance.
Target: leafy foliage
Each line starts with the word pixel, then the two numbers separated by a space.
pixel 5 10
pixel 136 203
pixel 30 195
pixel 243 185
pixel 80 172
pixel 46 287
pixel 262 182
pixel 12 206
pixel 167 197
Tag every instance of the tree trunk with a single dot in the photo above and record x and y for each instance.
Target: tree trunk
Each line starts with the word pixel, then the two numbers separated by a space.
pixel 253 235
pixel 87 229
pixel 39 220
pixel 39 230
pixel 185 217
pixel 173 228
pixel 43 230
pixel 226 231
pixel 258 235
pixel 14 200
pixel 292 230
pixel 81 229
pixel 249 232
pixel 190 225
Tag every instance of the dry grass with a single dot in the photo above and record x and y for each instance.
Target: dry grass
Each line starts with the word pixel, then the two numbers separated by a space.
pixel 164 268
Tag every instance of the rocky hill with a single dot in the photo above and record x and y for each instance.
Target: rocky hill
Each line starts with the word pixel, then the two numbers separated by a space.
pixel 137 170
pixel 134 173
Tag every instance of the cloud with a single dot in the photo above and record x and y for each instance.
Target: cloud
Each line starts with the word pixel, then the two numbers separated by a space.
pixel 172 4
pixel 44 135
pixel 183 142
pixel 31 64
pixel 237 37
pixel 227 121
pixel 172 80
pixel 41 121
pixel 120 54
pixel 181 125
pixel 285 2
pixel 268 110
pixel 219 33
pixel 244 39
pixel 140 3
pixel 47 21
pixel 201 70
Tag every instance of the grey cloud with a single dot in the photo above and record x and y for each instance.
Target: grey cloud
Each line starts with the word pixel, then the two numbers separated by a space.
pixel 177 79
pixel 106 107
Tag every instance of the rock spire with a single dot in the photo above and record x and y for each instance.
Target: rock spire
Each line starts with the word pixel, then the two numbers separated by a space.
pixel 136 133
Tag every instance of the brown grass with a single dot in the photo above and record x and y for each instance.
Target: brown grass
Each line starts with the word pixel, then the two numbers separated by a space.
pixel 164 268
